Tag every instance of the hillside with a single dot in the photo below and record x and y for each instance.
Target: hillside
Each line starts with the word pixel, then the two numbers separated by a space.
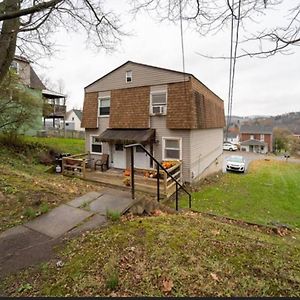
pixel 167 255
pixel 289 120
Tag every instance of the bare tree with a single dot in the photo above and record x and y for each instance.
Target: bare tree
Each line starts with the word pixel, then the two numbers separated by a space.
pixel 212 16
pixel 27 25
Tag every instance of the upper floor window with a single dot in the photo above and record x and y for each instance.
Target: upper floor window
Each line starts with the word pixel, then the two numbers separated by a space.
pixel 159 103
pixel 104 106
pixel 262 137
pixel 15 66
pixel 252 137
pixel 128 76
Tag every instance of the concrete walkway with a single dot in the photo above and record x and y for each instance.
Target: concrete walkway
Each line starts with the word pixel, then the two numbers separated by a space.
pixel 33 242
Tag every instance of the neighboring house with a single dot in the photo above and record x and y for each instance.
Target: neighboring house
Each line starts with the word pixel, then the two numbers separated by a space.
pixel 173 114
pixel 73 120
pixel 54 103
pixel 232 137
pixel 256 138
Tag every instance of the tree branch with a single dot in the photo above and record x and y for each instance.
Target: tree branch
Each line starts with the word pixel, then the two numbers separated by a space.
pixel 30 10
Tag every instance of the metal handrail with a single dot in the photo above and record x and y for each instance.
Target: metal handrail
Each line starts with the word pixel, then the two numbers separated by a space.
pixel 163 168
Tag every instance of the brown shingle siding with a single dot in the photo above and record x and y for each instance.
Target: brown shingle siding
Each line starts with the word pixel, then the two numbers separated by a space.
pixel 130 108
pixel 181 110
pixel 90 111
pixel 211 107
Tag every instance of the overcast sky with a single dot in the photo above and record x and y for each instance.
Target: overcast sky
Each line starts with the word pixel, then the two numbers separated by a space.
pixel 263 86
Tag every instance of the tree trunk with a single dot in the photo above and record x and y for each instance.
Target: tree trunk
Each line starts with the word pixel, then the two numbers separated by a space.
pixel 8 37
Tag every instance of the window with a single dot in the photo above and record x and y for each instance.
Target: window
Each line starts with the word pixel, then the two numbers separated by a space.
pixel 72 118
pixel 171 148
pixel 96 145
pixel 119 147
pixel 15 66
pixel 159 102
pixel 251 137
pixel 104 106
pixel 128 76
pixel 262 137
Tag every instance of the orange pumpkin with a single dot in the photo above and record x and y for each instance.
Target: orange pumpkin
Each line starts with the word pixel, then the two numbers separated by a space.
pixel 126 173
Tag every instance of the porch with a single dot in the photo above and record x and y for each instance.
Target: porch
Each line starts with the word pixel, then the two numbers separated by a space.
pixel 82 166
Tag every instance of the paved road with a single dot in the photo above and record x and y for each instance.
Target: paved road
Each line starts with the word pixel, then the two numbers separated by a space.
pixel 249 156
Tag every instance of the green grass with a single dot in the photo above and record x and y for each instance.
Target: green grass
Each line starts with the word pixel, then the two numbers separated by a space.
pixel 73 146
pixel 26 189
pixel 170 255
pixel 268 193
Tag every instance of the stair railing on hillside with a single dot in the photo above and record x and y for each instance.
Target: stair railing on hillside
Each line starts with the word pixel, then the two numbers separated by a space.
pixel 158 166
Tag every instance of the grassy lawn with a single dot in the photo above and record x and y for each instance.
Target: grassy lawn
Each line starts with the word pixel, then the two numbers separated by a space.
pixel 169 255
pixel 268 192
pixel 73 146
pixel 27 190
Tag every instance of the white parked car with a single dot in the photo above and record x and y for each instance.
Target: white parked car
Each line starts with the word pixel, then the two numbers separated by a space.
pixel 229 146
pixel 236 163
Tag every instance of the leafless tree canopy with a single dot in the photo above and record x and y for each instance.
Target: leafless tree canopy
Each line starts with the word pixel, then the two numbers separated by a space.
pixel 211 16
pixel 27 25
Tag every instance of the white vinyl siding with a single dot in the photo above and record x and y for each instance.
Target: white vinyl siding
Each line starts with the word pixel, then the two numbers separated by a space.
pixel 143 76
pixel 128 76
pixel 159 123
pixel 206 146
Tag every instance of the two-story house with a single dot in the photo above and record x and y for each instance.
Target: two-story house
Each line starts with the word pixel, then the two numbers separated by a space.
pixel 256 138
pixel 54 106
pixel 73 120
pixel 173 114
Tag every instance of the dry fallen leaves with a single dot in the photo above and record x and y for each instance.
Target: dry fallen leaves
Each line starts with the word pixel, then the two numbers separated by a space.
pixel 167 285
pixel 214 276
pixel 215 232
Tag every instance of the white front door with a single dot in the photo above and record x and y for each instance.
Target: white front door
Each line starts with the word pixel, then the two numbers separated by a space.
pixel 141 159
pixel 119 156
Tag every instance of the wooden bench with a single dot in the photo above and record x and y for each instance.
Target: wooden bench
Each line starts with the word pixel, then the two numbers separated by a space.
pixel 103 161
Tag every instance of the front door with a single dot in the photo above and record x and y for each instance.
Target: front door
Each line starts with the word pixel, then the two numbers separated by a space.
pixel 119 156
pixel 141 159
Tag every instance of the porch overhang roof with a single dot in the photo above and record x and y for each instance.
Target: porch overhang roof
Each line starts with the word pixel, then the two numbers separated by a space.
pixel 128 136
pixel 253 143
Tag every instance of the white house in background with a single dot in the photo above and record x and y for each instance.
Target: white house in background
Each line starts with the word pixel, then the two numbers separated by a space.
pixel 73 120
pixel 233 138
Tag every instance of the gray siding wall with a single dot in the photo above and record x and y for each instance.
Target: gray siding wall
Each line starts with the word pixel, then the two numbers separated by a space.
pixel 141 76
pixel 103 124
pixel 206 146
pixel 159 123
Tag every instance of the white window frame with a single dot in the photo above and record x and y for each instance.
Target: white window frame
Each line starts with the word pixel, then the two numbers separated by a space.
pixel 158 92
pixel 91 143
pixel 251 136
pixel 99 103
pixel 262 137
pixel 164 147
pixel 128 74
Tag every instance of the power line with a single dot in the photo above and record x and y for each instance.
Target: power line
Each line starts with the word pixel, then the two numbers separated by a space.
pixel 232 62
pixel 230 71
pixel 181 34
